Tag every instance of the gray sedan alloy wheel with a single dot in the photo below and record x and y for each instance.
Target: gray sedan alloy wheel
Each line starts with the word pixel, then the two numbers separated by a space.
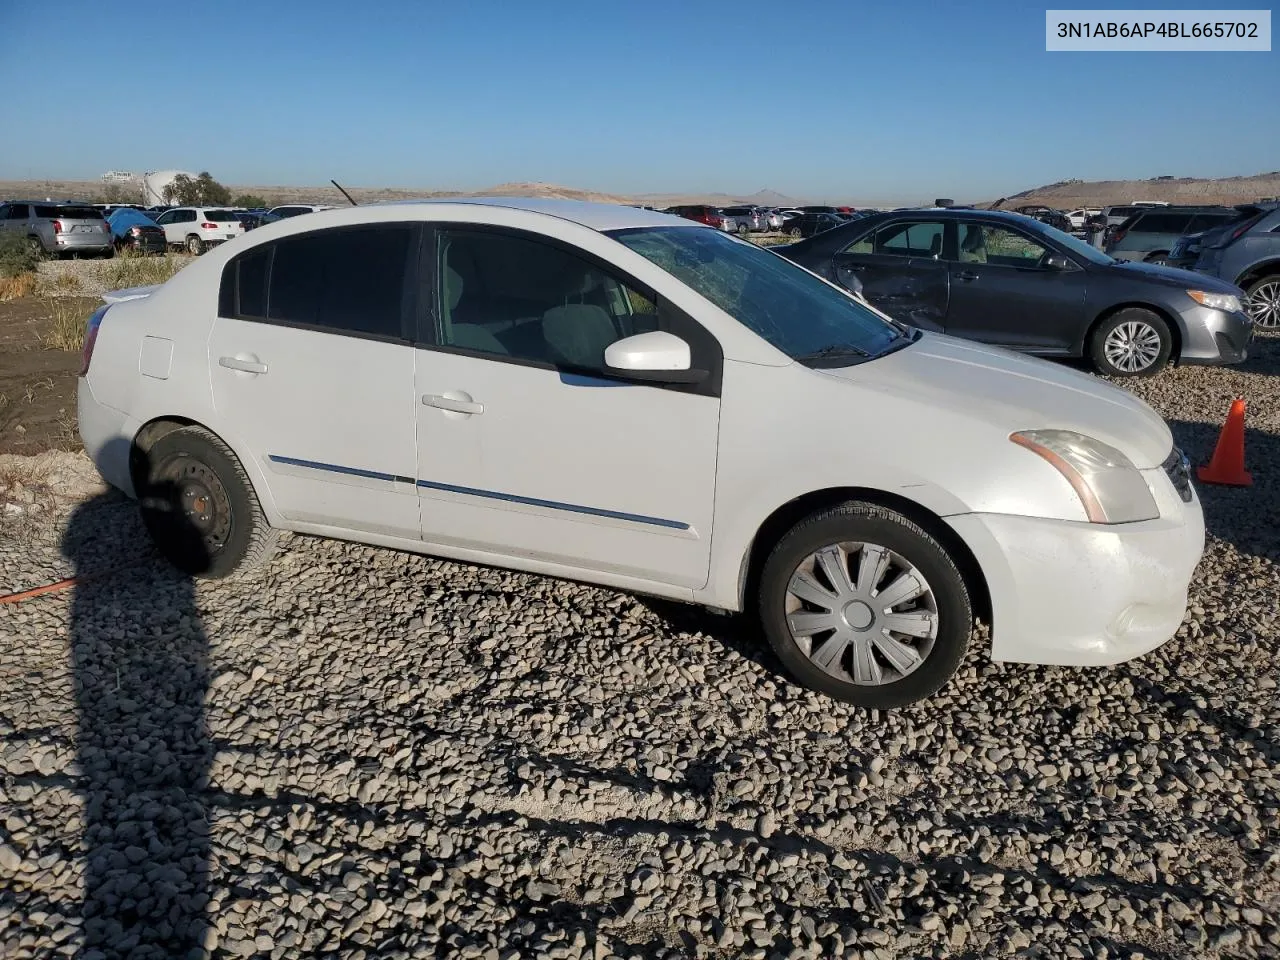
pixel 861 613
pixel 1264 304
pixel 1133 346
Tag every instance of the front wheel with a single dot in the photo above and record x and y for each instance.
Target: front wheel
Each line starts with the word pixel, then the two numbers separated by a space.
pixel 199 506
pixel 1131 343
pixel 1263 302
pixel 865 606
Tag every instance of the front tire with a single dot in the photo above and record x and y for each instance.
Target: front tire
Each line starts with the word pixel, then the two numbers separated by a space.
pixel 1131 343
pixel 1263 302
pixel 864 605
pixel 199 506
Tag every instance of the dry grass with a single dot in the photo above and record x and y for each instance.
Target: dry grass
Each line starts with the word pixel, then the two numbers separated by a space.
pixel 23 285
pixel 136 270
pixel 67 330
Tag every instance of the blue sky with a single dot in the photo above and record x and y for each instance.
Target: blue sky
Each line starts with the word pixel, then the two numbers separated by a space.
pixel 881 101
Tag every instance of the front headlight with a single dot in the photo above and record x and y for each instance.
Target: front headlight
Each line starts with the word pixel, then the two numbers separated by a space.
pixel 1216 301
pixel 1109 486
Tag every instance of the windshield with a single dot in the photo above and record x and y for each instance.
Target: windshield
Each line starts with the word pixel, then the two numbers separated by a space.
pixel 789 307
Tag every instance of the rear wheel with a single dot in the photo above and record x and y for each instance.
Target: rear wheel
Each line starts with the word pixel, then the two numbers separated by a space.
pixel 199 506
pixel 866 606
pixel 793 232
pixel 1131 343
pixel 743 229
pixel 1264 302
pixel 195 245
pixel 36 246
pixel 1158 257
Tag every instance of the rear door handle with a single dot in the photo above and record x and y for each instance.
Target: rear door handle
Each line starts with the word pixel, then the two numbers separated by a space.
pixel 966 275
pixel 243 365
pixel 452 404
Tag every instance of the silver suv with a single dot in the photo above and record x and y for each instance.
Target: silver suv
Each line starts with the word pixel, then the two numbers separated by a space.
pixel 58 228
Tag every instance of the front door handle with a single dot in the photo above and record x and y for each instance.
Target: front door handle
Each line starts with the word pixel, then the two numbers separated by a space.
pixel 452 404
pixel 242 364
pixel 966 275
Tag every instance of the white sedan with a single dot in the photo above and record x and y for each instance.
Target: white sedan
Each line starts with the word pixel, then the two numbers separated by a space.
pixel 618 396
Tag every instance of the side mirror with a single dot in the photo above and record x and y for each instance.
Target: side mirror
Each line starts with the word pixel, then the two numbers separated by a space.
pixel 656 357
pixel 1055 261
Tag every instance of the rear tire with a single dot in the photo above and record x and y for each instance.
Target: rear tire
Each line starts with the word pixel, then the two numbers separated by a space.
pixel 896 669
pixel 37 247
pixel 1158 257
pixel 794 232
pixel 199 506
pixel 1133 342
pixel 195 245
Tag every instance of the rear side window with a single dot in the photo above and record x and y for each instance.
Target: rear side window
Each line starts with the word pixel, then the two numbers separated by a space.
pixel 46 213
pixel 912 239
pixel 350 281
pixel 1207 221
pixel 1162 223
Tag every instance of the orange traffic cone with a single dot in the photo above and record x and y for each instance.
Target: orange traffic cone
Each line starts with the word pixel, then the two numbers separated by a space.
pixel 1227 465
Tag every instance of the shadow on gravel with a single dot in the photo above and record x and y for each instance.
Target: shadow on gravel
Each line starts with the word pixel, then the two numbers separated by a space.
pixel 139 656
pixel 1242 516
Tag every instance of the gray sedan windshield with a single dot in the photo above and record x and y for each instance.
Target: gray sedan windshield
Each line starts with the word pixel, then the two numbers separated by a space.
pixel 795 311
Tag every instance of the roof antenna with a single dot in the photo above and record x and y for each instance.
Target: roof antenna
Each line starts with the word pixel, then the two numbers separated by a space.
pixel 344 193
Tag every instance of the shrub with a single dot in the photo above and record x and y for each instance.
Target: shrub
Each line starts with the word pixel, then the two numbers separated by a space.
pixel 250 200
pixel 17 255
pixel 11 288
pixel 67 329
pixel 134 270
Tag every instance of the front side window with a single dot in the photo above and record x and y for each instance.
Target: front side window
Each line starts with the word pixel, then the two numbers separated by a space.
pixel 516 297
pixel 910 239
pixel 984 243
pixel 784 304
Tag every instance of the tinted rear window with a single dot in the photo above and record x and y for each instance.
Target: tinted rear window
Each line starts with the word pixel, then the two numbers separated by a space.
pixel 220 216
pixel 1162 223
pixel 77 213
pixel 345 280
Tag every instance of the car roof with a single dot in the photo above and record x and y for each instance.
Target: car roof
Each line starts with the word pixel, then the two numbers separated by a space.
pixel 595 216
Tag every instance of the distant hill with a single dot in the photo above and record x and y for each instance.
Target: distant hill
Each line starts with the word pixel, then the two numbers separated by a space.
pixel 1069 194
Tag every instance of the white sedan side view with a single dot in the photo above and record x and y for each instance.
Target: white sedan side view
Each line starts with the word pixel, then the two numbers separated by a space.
pixel 617 396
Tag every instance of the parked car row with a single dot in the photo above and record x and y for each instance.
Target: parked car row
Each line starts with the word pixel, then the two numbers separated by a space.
pixel 795 222
pixel 67 228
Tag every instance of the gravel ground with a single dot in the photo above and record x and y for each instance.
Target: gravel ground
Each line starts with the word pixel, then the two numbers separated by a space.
pixel 362 753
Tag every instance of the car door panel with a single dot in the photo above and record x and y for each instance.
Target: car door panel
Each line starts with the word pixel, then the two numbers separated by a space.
pixel 900 267
pixel 1032 308
pixel 567 468
pixel 339 446
pixel 525 451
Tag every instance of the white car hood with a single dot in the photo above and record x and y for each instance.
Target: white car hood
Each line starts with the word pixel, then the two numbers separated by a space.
pixel 1013 392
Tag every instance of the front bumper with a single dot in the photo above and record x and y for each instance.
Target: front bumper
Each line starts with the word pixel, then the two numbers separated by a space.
pixel 1215 336
pixel 1082 594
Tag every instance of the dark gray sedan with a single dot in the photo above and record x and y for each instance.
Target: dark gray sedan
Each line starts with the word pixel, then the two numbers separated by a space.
pixel 1009 280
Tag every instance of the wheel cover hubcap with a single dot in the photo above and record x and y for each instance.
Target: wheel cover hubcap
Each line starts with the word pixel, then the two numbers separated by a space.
pixel 861 613
pixel 1264 305
pixel 1132 346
